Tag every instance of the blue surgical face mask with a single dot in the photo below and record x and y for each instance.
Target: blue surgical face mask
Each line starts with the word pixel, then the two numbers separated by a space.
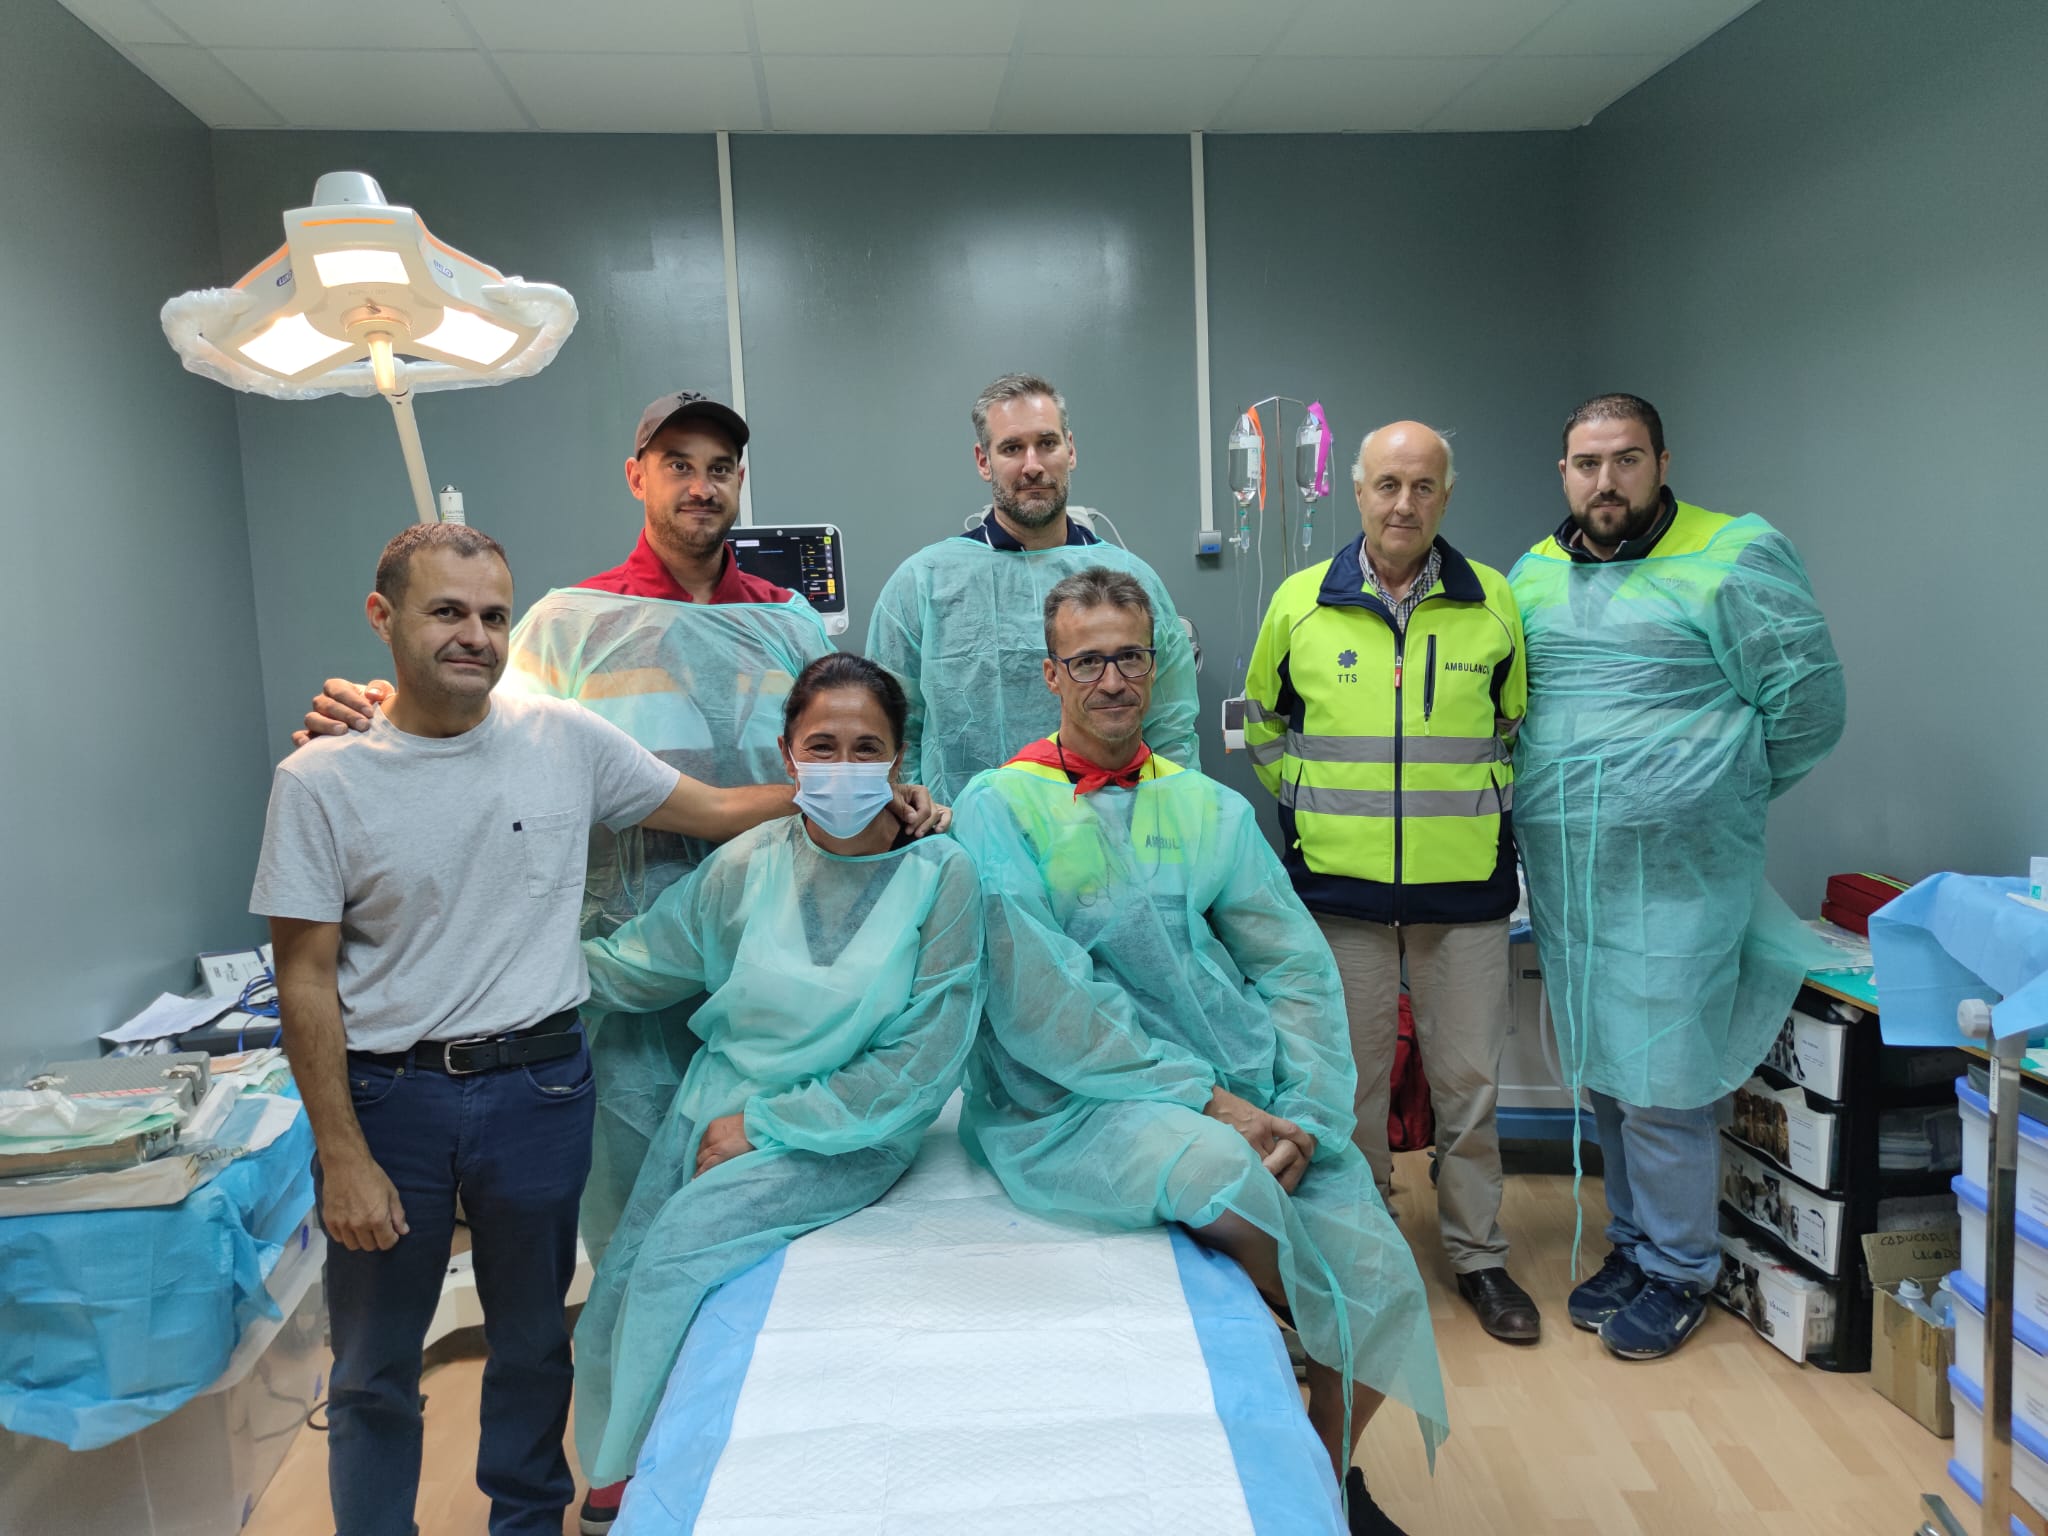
pixel 842 798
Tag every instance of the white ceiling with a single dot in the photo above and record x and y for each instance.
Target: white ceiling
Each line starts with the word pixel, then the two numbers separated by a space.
pixel 903 66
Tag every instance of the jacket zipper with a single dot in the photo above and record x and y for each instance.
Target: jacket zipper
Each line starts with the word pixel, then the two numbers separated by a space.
pixel 1400 652
pixel 1429 683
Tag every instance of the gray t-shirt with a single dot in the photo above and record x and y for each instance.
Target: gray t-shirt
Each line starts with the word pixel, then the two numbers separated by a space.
pixel 454 865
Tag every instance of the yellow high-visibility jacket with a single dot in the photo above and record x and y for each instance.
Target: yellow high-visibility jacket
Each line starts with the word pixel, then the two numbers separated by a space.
pixel 1391 753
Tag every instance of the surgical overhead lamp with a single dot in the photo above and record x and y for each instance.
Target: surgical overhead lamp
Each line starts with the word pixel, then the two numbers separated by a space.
pixel 361 299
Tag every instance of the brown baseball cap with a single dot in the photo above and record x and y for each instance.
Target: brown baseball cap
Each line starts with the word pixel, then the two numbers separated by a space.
pixel 687 402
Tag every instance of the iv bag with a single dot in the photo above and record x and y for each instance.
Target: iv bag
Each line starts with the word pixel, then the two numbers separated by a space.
pixel 1246 468
pixel 1312 456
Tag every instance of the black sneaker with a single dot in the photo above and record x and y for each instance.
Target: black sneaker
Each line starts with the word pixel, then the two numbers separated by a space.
pixel 1598 1299
pixel 600 1510
pixel 1660 1318
pixel 1367 1518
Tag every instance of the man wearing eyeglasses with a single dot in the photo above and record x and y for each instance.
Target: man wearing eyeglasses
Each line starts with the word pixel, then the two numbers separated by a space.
pixel 1384 690
pixel 1164 1040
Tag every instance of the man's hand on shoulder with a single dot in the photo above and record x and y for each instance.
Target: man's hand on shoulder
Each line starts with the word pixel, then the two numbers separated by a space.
pixel 913 807
pixel 343 706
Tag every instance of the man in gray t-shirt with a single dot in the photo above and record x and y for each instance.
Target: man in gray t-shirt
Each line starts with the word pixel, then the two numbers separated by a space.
pixel 423 880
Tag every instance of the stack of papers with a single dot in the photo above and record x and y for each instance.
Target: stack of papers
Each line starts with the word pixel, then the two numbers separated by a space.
pixel 1920 1140
pixel 169 1015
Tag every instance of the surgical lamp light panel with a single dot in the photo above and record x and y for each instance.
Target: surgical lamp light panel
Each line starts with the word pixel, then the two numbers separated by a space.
pixel 470 336
pixel 342 269
pixel 290 348
pixel 354 267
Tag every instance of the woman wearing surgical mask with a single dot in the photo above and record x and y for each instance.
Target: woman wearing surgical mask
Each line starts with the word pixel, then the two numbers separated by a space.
pixel 843 963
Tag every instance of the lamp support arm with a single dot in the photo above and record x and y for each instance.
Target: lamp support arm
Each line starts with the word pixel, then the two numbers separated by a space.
pixel 415 455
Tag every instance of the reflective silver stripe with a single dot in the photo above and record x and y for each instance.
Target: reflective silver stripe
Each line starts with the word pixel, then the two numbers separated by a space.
pixel 1265 753
pixel 1459 750
pixel 1380 802
pixel 1340 749
pixel 1337 802
pixel 1454 751
pixel 1255 711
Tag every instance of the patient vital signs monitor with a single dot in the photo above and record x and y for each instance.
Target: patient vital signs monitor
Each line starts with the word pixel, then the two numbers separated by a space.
pixel 808 558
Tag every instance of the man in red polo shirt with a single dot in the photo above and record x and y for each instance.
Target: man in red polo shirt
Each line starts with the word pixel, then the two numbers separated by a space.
pixel 686 470
pixel 692 657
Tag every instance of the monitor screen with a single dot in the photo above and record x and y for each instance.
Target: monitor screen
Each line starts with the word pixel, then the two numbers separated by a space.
pixel 808 558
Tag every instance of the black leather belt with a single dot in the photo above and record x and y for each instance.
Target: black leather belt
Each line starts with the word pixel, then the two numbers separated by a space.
pixel 553 1037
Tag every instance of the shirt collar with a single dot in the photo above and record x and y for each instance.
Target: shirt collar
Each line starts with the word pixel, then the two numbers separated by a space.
pixel 1425 579
pixel 1572 539
pixel 992 533
pixel 644 575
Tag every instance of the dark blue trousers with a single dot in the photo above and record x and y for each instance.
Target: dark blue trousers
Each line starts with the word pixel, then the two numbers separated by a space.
pixel 515 1145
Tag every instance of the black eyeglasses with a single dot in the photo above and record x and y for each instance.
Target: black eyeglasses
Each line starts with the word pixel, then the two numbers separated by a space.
pixel 1086 666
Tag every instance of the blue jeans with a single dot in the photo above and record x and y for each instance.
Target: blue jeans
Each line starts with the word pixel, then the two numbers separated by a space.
pixel 515 1144
pixel 1663 1185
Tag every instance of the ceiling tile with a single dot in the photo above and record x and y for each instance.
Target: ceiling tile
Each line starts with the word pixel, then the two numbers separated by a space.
pixel 1523 93
pixel 204 86
pixel 1405 29
pixel 839 95
pixel 900 27
pixel 125 21
pixel 1669 27
pixel 366 24
pixel 609 26
pixel 1097 95
pixel 635 92
pixel 352 88
pixel 1173 27
pixel 1347 95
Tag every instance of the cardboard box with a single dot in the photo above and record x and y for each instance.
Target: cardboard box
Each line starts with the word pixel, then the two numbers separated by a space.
pixel 1909 1356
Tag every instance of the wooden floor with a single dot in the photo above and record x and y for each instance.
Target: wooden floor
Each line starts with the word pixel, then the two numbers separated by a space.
pixel 1727 1436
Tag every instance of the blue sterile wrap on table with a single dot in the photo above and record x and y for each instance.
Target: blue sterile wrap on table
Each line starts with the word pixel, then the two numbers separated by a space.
pixel 112 1320
pixel 1953 937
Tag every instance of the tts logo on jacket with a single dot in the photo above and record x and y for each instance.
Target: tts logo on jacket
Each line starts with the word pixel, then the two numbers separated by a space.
pixel 1347 665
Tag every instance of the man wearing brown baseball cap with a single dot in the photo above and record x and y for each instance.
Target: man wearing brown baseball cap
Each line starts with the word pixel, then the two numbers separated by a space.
pixel 686 469
pixel 690 656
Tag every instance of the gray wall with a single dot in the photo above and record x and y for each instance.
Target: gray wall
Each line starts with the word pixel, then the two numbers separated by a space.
pixel 628 224
pixel 1391 276
pixel 1817 243
pixel 132 754
pixel 884 281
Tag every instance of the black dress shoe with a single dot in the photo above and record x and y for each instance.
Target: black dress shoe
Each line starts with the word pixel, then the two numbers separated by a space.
pixel 1505 1309
pixel 1364 1517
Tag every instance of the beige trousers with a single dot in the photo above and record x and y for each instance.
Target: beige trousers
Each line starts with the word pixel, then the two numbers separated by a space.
pixel 1458 985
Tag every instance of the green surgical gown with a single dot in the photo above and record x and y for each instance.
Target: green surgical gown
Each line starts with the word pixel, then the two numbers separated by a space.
pixel 1145 947
pixel 1670 699
pixel 701 687
pixel 840 997
pixel 962 625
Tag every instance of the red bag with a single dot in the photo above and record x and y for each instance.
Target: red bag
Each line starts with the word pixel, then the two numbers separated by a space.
pixel 1851 899
pixel 1411 1122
